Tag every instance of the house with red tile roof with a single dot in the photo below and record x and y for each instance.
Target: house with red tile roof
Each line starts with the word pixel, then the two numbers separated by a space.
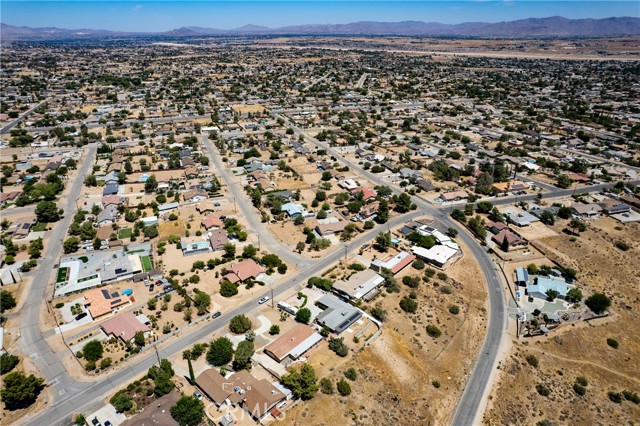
pixel 241 271
pixel 124 326
pixel 212 221
pixel 102 301
pixel 367 194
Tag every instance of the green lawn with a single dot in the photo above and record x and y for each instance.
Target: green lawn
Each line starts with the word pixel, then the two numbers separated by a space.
pixel 124 233
pixel 39 227
pixel 62 275
pixel 146 263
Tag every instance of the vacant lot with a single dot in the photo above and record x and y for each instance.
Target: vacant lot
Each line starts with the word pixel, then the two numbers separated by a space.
pixel 581 349
pixel 399 372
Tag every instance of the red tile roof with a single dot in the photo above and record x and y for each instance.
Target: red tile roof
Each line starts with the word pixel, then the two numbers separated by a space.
pixel 124 326
pixel 243 270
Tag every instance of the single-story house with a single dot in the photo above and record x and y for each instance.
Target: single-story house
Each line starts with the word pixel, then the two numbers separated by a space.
pixel 107 215
pixel 293 209
pixel 367 194
pixel 241 389
pixel 324 229
pixel 586 210
pixel 453 196
pixel 361 285
pixel 369 210
pixel 293 344
pixel 124 326
pixel 395 263
pixel 212 221
pixel 512 239
pixel 110 189
pixel 515 185
pixel 158 413
pixel 218 238
pixel 438 255
pixel 103 301
pixel 336 315
pixel 544 284
pixel 241 271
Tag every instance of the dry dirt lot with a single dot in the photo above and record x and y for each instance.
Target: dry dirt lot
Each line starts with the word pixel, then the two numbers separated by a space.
pixel 395 373
pixel 580 350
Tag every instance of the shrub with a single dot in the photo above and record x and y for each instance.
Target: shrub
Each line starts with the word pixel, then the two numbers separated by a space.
pixel 598 303
pixel 442 276
pixel 435 384
pixel 579 389
pixel 93 350
pixel 542 389
pixel 433 331
pixel 240 324
pixel 344 388
pixel 532 360
pixel 631 396
pixel 418 264
pixel 275 329
pixel 582 381
pixel 326 386
pixel 613 343
pixel 121 402
pixel 8 362
pixel 445 289
pixel 379 313
pixel 454 309
pixel 429 272
pixel 105 363
pixel 228 289
pixel 59 305
pixel 351 374
pixel 338 346
pixel 616 397
pixel 303 315
pixel 622 245
pixel 408 305
pixel 412 282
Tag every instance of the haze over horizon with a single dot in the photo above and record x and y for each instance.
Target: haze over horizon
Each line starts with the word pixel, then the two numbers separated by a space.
pixel 158 16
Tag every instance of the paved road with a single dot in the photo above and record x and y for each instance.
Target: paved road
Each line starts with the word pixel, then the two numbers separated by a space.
pixel 7 128
pixel 472 396
pixel 31 337
pixel 361 80
pixel 241 200
pixel 84 397
pixel 77 397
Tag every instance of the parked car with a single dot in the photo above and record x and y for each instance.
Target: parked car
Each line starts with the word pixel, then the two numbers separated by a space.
pixel 197 394
pixel 81 315
pixel 263 299
pixel 217 314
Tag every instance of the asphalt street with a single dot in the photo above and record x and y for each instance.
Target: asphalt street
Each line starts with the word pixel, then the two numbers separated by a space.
pixel 472 396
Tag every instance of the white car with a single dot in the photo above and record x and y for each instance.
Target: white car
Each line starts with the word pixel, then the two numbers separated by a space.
pixel 263 300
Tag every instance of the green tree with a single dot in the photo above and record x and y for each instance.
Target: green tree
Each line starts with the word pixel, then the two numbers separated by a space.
pixel 228 289
pixel 598 303
pixel 408 305
pixel 563 181
pixel 303 315
pixel 47 212
pixel 151 184
pixel 229 250
pixel 243 354
pixel 92 350
pixel 162 375
pixel 121 402
pixel 303 383
pixel 344 388
pixel 139 339
pixel 274 329
pixel 338 346
pixel 8 362
pixel 188 411
pixel 71 245
pixel 574 294
pixel 7 301
pixel 249 251
pixel 383 241
pixel 202 302
pixel 220 352
pixel 326 386
pixel 240 324
pixel 20 391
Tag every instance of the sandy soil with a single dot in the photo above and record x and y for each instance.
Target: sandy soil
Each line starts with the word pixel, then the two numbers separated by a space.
pixel 580 349
pixel 396 372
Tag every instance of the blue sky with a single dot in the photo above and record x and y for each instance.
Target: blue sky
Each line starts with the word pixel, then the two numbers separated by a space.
pixel 141 15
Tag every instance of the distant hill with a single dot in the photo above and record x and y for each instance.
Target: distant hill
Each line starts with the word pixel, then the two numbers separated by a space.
pixel 552 27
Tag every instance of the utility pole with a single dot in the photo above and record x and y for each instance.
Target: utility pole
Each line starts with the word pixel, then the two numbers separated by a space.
pixel 258 242
pixel 155 346
pixel 271 297
pixel 345 254
pixel 235 208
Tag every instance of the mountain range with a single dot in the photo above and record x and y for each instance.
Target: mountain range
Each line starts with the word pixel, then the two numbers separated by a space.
pixel 551 27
